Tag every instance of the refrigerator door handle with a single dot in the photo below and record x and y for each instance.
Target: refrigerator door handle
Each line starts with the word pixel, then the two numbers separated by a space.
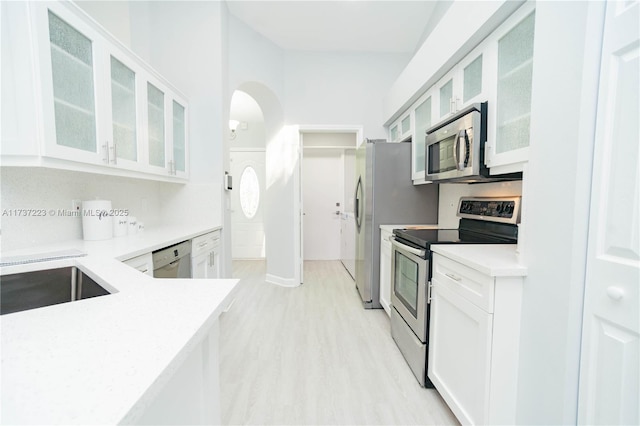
pixel 358 216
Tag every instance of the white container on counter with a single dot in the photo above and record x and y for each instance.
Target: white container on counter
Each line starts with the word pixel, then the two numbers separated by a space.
pixel 97 222
pixel 120 226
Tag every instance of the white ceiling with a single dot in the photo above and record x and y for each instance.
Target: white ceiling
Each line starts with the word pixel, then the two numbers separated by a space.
pixel 345 25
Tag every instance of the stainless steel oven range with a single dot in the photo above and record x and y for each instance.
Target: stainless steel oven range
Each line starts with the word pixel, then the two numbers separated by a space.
pixel 482 221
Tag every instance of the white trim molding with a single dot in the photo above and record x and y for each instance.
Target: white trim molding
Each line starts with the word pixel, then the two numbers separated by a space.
pixel 282 282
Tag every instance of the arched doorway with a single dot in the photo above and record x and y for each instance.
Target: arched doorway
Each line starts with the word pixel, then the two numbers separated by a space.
pixel 247 163
pixel 279 203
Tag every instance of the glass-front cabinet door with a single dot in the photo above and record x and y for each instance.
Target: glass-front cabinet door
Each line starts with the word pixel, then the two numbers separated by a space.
pixel 472 81
pixel 422 120
pixel 508 135
pixel 447 100
pixel 515 73
pixel 69 75
pixel 124 142
pixel 156 126
pixel 179 162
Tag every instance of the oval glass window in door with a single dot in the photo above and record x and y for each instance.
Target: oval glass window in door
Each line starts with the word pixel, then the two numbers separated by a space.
pixel 249 192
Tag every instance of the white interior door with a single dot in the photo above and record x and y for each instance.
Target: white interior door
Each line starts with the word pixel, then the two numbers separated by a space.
pixel 323 195
pixel 610 359
pixel 247 200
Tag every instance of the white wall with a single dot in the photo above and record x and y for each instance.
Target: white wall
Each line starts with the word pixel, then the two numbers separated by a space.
pixel 340 88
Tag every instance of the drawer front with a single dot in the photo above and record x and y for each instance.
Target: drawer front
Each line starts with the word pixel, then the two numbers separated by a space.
pixel 205 243
pixel 469 283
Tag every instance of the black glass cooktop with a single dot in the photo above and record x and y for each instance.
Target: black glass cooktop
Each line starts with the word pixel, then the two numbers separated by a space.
pixel 470 232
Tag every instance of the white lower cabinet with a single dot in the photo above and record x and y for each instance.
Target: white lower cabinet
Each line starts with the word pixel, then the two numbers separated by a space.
pixel 385 270
pixel 205 255
pixel 143 263
pixel 474 337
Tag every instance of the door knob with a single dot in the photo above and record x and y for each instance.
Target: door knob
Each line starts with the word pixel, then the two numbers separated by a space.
pixel 616 293
pixel 337 212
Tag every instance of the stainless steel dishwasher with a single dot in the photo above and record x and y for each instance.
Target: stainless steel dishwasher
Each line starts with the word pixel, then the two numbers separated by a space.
pixel 173 261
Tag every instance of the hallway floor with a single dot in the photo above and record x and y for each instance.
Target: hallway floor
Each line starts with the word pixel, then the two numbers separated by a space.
pixel 313 355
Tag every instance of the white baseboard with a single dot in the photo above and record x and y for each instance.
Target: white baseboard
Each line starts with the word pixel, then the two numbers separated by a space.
pixel 283 282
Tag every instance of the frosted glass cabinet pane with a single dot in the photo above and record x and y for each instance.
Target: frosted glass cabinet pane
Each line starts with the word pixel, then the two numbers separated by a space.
pixel 472 84
pixel 179 137
pixel 394 133
pixel 405 124
pixel 155 108
pixel 123 103
pixel 446 93
pixel 515 73
pixel 73 88
pixel 423 122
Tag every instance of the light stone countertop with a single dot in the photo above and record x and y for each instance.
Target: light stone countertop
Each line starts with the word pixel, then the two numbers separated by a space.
pixel 390 228
pixel 120 248
pixel 496 260
pixel 99 360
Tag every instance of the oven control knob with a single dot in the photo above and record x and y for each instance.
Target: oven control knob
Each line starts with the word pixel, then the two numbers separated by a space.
pixel 508 209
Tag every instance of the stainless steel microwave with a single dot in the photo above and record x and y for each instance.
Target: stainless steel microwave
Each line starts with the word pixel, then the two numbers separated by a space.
pixel 455 148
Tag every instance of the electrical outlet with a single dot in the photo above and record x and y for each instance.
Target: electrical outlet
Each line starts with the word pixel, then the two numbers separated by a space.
pixel 76 205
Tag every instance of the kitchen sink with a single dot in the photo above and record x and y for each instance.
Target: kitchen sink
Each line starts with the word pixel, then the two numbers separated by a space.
pixel 31 290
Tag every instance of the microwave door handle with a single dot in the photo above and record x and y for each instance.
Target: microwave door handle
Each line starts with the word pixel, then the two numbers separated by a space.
pixel 460 155
pixel 455 151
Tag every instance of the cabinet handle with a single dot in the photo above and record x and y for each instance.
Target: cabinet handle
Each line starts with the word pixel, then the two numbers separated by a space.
pixel 115 153
pixel 106 151
pixel 453 277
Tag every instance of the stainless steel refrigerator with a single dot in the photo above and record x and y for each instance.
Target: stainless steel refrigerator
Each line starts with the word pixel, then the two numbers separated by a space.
pixel 385 195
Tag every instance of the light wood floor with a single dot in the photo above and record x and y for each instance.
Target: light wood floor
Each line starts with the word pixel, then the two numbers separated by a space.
pixel 313 355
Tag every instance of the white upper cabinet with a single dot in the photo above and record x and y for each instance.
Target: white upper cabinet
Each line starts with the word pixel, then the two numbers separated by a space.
pixel 179 154
pixel 123 137
pixel 102 109
pixel 70 80
pixel 508 134
pixel 156 126
pixel 499 71
pixel 465 84
pixel 401 130
pixel 423 118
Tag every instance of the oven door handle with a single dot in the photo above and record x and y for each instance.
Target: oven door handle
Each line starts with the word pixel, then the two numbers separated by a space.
pixel 404 247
